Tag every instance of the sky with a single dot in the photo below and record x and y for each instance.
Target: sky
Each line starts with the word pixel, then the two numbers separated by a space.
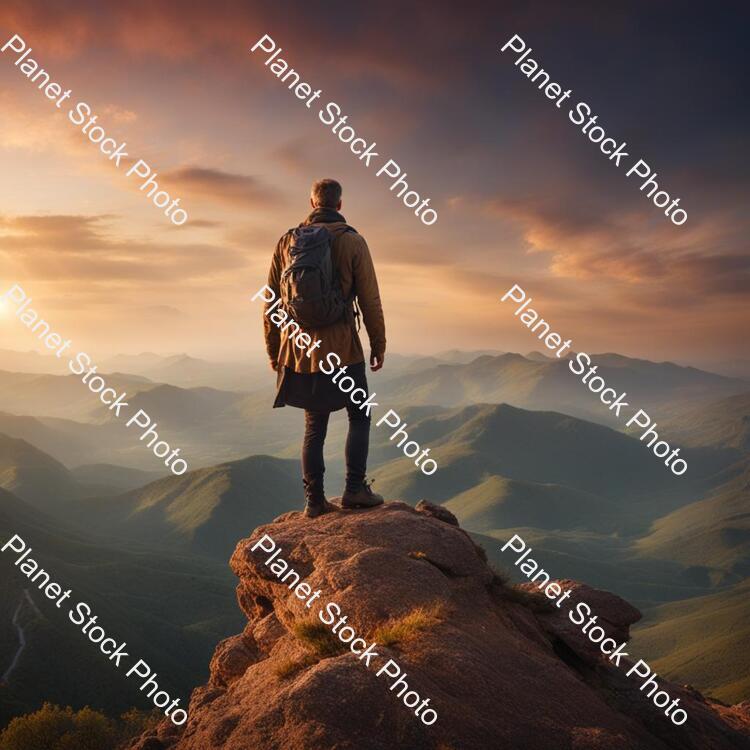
pixel 523 197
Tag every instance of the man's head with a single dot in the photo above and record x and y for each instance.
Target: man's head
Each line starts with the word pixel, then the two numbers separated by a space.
pixel 326 193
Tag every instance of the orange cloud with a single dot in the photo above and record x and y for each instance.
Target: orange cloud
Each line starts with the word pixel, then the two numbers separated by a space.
pixel 223 187
pixel 638 248
pixel 88 248
pixel 225 32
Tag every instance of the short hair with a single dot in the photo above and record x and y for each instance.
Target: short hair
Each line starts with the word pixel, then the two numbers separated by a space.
pixel 326 193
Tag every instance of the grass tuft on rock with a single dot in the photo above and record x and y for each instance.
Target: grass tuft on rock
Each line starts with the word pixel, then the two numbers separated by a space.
pixel 289 667
pixel 318 638
pixel 408 627
pixel 534 600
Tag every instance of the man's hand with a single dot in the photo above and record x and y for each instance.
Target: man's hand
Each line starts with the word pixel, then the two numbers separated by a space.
pixel 274 365
pixel 376 361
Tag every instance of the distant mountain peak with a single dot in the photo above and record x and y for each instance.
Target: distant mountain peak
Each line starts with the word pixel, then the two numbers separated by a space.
pixel 35 476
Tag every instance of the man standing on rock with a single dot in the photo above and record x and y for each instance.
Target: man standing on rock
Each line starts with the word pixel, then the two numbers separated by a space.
pixel 321 273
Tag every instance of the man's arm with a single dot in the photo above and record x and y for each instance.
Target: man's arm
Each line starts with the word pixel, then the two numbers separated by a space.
pixel 270 331
pixel 368 295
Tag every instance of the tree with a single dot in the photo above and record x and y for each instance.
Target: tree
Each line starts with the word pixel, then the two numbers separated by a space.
pixel 56 728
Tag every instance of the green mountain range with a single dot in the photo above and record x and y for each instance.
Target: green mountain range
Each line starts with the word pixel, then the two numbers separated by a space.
pixel 702 642
pixel 481 441
pixel 713 532
pixel 150 549
pixel 723 423
pixel 548 384
pixel 170 609
pixel 202 512
pixel 34 476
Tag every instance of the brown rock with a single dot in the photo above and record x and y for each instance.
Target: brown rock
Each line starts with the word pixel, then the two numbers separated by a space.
pixel 148 743
pixel 613 614
pixel 436 511
pixel 499 674
pixel 230 660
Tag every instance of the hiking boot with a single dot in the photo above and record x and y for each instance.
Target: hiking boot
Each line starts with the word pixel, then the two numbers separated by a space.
pixel 315 497
pixel 363 497
pixel 315 508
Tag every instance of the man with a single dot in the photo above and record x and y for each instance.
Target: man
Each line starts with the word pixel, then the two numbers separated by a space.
pixel 300 381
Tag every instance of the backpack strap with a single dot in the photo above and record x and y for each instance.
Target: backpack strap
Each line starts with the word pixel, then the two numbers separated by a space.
pixel 352 299
pixel 287 237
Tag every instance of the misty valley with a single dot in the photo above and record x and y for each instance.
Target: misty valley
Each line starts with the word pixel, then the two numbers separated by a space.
pixel 521 449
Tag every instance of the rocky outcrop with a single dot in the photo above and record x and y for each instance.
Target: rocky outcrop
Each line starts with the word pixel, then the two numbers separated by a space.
pixel 502 668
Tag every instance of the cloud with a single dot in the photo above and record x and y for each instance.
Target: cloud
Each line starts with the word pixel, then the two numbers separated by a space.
pixel 89 248
pixel 164 311
pixel 198 224
pixel 62 29
pixel 441 100
pixel 73 233
pixel 223 187
pixel 224 33
pixel 22 127
pixel 119 115
pixel 640 248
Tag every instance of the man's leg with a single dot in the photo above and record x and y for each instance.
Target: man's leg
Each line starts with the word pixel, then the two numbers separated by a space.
pixel 357 447
pixel 358 493
pixel 313 464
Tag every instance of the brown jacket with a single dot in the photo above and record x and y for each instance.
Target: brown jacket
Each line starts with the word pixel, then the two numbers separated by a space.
pixel 351 257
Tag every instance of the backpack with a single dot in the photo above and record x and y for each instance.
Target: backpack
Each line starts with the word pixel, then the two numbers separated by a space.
pixel 310 287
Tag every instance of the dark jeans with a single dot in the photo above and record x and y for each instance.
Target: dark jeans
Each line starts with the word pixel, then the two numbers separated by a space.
pixel 357 447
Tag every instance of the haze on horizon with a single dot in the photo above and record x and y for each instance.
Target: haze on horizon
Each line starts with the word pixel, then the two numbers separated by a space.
pixel 522 196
